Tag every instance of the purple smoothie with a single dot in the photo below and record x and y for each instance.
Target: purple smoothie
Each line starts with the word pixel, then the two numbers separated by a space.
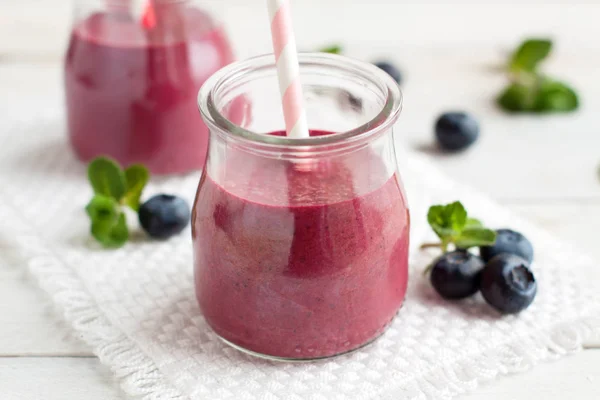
pixel 131 89
pixel 312 264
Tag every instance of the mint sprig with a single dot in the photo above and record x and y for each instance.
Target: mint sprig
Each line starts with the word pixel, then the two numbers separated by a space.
pixel 114 188
pixel 136 178
pixel 529 54
pixel 332 49
pixel 453 226
pixel 107 178
pixel 530 90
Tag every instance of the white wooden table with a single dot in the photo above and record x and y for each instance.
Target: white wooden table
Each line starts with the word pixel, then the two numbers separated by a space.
pixel 544 168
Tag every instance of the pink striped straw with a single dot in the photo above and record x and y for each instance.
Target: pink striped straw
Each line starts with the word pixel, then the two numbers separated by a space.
pixel 288 70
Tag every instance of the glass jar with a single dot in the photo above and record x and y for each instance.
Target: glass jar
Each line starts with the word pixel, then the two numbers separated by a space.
pixel 300 245
pixel 131 79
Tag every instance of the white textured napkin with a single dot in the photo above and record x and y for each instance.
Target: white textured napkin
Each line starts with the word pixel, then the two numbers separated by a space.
pixel 136 306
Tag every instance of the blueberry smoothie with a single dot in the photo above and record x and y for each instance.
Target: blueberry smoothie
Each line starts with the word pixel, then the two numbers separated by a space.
pixel 311 265
pixel 131 86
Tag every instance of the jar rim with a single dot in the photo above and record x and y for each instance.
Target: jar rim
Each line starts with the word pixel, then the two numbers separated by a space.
pixel 127 3
pixel 381 122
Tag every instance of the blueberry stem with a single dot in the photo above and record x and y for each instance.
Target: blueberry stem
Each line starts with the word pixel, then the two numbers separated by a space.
pixel 431 246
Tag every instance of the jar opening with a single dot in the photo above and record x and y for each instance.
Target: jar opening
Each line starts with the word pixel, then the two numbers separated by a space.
pixel 128 3
pixel 321 75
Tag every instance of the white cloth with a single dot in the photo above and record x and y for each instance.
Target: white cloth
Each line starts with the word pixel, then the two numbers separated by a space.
pixel 136 306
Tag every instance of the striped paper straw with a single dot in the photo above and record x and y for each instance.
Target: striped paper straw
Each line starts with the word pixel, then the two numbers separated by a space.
pixel 288 70
pixel 143 11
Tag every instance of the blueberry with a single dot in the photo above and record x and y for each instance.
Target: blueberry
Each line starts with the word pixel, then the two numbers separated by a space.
pixel 456 275
pixel 456 131
pixel 390 69
pixel 164 216
pixel 511 242
pixel 508 284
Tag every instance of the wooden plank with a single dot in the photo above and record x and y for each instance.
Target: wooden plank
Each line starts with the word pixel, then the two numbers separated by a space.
pixel 575 377
pixel 41 26
pixel 28 323
pixel 57 379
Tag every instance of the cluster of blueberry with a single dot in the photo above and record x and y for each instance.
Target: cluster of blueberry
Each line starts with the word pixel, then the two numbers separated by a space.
pixel 501 273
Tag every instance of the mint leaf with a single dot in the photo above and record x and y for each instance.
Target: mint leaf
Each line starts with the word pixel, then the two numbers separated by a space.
pixel 543 95
pixel 437 221
pixel 136 177
pixel 517 97
pixel 333 49
pixel 475 236
pixel 107 178
pixel 448 220
pixel 102 209
pixel 472 222
pixel 455 215
pixel 113 234
pixel 555 96
pixel 529 54
pixel 453 226
pixel 109 226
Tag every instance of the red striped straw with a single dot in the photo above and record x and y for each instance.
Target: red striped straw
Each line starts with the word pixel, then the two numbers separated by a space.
pixel 143 11
pixel 288 70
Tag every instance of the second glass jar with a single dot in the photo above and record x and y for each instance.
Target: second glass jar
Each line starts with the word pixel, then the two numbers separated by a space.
pixel 131 79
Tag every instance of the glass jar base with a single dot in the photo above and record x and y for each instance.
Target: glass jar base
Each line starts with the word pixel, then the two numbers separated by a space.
pixel 289 359
pixel 308 359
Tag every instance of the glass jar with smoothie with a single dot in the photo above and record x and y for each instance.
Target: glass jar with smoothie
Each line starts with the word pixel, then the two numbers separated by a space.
pixel 132 72
pixel 301 245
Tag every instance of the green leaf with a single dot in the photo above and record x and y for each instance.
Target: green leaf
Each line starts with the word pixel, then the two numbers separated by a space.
pixel 447 220
pixel 333 49
pixel 436 220
pixel 555 97
pixel 111 235
pixel 107 178
pixel 529 54
pixel 475 236
pixel 456 214
pixel 109 226
pixel 102 209
pixel 136 177
pixel 517 97
pixel 472 223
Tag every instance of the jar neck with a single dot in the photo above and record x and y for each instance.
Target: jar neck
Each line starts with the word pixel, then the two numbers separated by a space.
pixel 379 95
pixel 128 5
